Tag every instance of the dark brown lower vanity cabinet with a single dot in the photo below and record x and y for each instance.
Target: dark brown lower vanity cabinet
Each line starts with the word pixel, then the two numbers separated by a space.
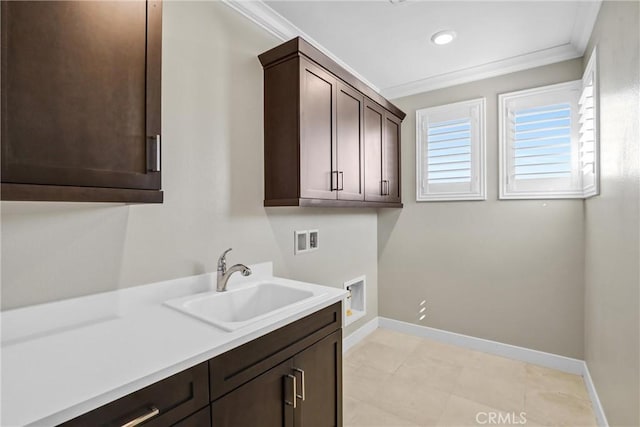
pixel 309 382
pixel 291 377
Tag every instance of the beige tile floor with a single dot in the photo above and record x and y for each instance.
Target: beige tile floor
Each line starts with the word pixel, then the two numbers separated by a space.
pixel 392 379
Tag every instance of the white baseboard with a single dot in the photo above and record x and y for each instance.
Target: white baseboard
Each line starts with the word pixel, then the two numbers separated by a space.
pixel 601 418
pixel 548 360
pixel 536 357
pixel 359 334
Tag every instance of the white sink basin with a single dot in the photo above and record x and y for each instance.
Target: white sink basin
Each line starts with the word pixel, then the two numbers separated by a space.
pixel 237 308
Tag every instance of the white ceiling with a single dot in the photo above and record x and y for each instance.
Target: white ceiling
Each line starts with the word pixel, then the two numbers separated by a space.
pixel 388 45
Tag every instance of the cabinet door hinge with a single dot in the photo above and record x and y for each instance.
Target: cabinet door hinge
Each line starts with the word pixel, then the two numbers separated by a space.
pixel 153 153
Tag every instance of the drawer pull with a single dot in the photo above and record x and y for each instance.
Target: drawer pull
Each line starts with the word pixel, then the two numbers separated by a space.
pixel 292 402
pixel 300 396
pixel 153 411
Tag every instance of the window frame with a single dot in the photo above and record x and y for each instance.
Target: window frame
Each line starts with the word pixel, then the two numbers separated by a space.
pixel 532 189
pixel 478 172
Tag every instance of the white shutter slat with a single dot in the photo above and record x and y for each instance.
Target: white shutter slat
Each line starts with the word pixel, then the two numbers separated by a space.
pixel 447 124
pixel 587 92
pixel 448 159
pixel 460 142
pixel 546 149
pixel 535 111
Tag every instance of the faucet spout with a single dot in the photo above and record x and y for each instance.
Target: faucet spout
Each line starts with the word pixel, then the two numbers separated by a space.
pixel 224 274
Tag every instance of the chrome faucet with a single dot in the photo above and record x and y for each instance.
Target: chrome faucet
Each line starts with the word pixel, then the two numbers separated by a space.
pixel 224 274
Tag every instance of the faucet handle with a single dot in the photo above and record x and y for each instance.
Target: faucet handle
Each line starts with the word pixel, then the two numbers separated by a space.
pixel 222 261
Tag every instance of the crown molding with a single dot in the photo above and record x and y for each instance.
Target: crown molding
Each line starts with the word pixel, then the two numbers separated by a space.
pixel 586 17
pixel 262 15
pixel 485 71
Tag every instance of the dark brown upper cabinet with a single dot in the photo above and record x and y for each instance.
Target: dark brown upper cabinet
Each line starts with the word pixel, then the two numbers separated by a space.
pixel 320 145
pixel 81 101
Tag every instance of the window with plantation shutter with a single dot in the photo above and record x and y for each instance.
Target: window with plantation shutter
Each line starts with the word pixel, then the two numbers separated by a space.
pixel 547 143
pixel 450 152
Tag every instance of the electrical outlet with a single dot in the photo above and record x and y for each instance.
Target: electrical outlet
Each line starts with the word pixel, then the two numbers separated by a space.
pixel 301 242
pixel 313 240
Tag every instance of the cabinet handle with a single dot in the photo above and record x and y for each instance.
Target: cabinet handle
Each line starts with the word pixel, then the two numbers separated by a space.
pixel 342 176
pixel 292 402
pixel 336 186
pixel 301 396
pixel 153 411
pixel 384 190
pixel 153 154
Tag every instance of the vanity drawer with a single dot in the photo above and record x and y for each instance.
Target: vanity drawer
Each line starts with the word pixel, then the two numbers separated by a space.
pixel 240 365
pixel 175 398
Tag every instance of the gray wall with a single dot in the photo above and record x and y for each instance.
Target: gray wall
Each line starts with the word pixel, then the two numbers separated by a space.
pixel 612 323
pixel 213 182
pixel 510 271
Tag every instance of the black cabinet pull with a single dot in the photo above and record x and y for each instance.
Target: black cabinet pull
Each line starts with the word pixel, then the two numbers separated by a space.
pixel 334 188
pixel 342 181
pixel 384 184
pixel 383 191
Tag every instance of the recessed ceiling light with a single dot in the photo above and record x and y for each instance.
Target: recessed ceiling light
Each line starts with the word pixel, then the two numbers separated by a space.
pixel 443 37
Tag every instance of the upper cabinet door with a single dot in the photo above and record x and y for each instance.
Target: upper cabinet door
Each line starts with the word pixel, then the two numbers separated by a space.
pixel 81 94
pixel 373 141
pixel 350 157
pixel 318 175
pixel 391 158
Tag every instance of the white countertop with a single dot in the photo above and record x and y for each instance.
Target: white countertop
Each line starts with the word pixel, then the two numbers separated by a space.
pixel 63 359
